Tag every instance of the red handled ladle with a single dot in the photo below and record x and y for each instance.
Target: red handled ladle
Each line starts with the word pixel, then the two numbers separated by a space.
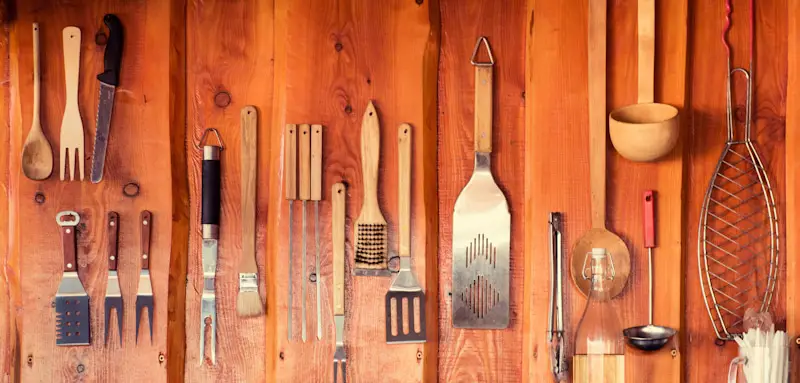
pixel 649 337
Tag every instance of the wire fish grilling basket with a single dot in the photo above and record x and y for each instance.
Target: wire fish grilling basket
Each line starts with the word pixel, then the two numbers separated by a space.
pixel 738 237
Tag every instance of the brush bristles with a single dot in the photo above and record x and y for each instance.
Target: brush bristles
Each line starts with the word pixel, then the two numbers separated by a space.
pixel 249 304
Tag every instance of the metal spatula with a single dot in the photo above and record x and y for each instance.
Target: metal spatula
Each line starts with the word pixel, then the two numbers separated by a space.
pixel 481 225
pixel 72 302
pixel 405 291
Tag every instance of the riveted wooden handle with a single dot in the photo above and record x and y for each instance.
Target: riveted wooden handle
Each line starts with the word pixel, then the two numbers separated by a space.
pixel 304 165
pixel 72 59
pixel 249 126
pixel 483 108
pixel 597 111
pixel 338 193
pixel 316 162
pixel 69 246
pixel 290 161
pixel 145 225
pixel 404 189
pixel 647 49
pixel 112 224
pixel 370 156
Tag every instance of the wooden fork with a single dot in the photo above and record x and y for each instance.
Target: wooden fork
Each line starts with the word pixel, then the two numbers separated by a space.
pixel 71 125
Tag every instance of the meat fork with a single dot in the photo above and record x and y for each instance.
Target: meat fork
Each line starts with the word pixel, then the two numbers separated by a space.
pixel 113 292
pixel 339 356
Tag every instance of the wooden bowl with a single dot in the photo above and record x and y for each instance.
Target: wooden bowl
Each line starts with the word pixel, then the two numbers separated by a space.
pixel 644 132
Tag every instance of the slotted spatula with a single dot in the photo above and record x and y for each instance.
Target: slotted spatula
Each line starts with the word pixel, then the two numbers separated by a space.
pixel 481 224
pixel 405 290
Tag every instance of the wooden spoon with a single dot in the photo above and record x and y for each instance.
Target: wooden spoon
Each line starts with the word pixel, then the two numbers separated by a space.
pixel 37 155
pixel 599 236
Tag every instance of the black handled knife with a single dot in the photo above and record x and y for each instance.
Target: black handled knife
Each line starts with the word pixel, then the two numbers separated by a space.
pixel 109 80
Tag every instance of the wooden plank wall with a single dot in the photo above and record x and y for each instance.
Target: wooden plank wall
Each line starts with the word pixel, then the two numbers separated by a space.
pixel 228 66
pixel 558 173
pixel 334 62
pixel 318 61
pixel 139 151
pixel 474 355
pixel 707 139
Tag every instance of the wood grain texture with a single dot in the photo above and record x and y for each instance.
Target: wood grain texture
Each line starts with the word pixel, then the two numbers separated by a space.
pixel 179 237
pixel 479 355
pixel 792 184
pixel 331 67
pixel 229 49
pixel 557 170
pixel 708 137
pixel 10 293
pixel 138 152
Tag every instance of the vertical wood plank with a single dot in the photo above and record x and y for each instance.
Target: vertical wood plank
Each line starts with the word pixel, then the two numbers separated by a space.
pixel 793 186
pixel 139 149
pixel 708 136
pixel 480 355
pixel 335 59
pixel 229 52
pixel 179 238
pixel 557 171
pixel 9 258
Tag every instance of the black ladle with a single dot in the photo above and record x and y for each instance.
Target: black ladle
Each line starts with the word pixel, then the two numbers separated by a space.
pixel 649 337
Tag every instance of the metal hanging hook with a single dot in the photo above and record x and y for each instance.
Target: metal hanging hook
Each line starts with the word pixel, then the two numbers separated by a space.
pixel 484 41
pixel 200 143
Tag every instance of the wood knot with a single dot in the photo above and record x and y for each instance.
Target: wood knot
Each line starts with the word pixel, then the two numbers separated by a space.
pixel 419 2
pixel 222 99
pixel 338 46
pixel 100 38
pixel 348 109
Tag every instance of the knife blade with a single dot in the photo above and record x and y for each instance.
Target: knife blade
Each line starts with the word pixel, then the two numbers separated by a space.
pixel 144 293
pixel 109 80
pixel 113 293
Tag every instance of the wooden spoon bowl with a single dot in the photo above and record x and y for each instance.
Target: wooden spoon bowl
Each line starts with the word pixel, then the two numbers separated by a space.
pixel 644 132
pixel 615 248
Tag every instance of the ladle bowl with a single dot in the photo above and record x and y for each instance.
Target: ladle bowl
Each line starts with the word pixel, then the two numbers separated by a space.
pixel 649 337
pixel 644 132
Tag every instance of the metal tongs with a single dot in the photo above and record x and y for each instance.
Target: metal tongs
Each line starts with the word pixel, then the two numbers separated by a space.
pixel 555 336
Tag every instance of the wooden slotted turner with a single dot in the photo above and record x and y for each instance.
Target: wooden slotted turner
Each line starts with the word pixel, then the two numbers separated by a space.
pixel 405 290
pixel 481 225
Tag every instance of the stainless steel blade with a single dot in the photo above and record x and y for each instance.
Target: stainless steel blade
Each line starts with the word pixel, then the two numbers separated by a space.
pixel 105 106
pixel 481 247
pixel 144 300
pixel 72 312
pixel 113 301
pixel 208 308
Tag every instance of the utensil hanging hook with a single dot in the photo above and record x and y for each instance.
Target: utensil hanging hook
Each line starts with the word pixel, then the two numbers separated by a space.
pixel 731 71
pixel 484 41
pixel 199 144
